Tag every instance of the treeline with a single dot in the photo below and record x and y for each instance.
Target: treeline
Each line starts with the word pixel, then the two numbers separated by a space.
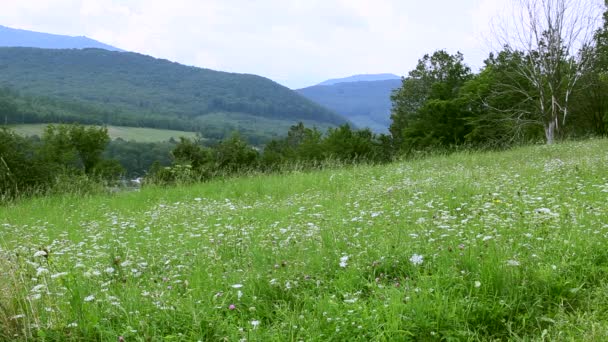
pixel 303 147
pixel 75 157
pixel 65 158
pixel 538 88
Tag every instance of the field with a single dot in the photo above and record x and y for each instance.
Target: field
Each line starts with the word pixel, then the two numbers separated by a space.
pixel 471 246
pixel 126 133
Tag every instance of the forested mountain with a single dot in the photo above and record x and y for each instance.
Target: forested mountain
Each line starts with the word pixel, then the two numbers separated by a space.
pixel 97 86
pixel 361 78
pixel 366 104
pixel 10 37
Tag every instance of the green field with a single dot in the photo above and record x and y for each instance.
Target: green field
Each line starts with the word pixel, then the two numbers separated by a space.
pixel 472 246
pixel 127 133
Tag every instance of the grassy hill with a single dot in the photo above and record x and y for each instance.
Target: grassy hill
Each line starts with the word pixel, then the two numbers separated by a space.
pixel 472 246
pixel 96 86
pixel 365 103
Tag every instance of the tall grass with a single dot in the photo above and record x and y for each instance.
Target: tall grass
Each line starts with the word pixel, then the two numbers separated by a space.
pixel 467 246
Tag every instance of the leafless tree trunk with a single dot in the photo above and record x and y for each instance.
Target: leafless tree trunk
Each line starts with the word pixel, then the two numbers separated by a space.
pixel 554 37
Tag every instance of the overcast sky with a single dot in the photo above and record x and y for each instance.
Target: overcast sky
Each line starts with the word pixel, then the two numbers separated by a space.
pixel 294 42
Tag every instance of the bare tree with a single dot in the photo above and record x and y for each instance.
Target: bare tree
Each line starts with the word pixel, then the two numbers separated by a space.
pixel 555 38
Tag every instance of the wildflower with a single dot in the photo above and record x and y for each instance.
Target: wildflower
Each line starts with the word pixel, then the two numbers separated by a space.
pixel 89 298
pixel 343 261
pixel 417 259
pixel 237 286
pixel 109 270
pixel 477 284
pixel 41 270
pixel 38 288
pixel 60 274
pixel 512 262
pixel 255 324
pixel 231 307
pixel 40 253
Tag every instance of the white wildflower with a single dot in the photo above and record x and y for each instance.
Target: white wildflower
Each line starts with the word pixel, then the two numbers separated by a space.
pixel 41 270
pixel 89 298
pixel 255 323
pixel 417 259
pixel 477 283
pixel 512 262
pixel 60 274
pixel 237 286
pixel 40 253
pixel 343 261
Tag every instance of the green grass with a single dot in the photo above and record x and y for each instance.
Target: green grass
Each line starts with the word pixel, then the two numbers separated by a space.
pixel 126 133
pixel 472 246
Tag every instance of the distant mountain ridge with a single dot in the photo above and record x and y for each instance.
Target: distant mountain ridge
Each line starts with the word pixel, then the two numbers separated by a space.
pixel 361 78
pixel 97 86
pixel 365 103
pixel 10 37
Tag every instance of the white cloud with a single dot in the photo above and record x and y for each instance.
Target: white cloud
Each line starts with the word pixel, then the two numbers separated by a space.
pixel 296 42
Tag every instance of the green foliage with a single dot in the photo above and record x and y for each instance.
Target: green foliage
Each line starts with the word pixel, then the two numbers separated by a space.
pixel 233 155
pixel 94 86
pixel 30 166
pixel 138 157
pixel 20 170
pixel 426 101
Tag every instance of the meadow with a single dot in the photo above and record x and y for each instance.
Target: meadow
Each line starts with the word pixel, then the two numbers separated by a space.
pixel 138 134
pixel 467 247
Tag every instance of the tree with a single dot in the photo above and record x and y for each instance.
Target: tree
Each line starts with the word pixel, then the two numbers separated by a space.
pixel 554 38
pixel 492 97
pixel 74 147
pixel 233 155
pixel 437 78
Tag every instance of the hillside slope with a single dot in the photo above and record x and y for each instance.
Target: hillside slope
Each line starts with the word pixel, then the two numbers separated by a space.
pixel 129 89
pixel 366 104
pixel 10 37
pixel 471 246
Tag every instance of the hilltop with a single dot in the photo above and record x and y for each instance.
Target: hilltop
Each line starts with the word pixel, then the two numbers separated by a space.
pixel 365 103
pixel 11 37
pixel 130 89
pixel 361 78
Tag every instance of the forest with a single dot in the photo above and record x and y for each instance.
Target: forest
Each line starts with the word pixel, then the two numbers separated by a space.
pixel 97 86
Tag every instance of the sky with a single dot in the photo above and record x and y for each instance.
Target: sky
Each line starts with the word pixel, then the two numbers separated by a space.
pixel 297 43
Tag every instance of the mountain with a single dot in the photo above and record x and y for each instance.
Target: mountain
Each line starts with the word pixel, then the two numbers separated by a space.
pixel 128 89
pixel 10 37
pixel 365 103
pixel 361 78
